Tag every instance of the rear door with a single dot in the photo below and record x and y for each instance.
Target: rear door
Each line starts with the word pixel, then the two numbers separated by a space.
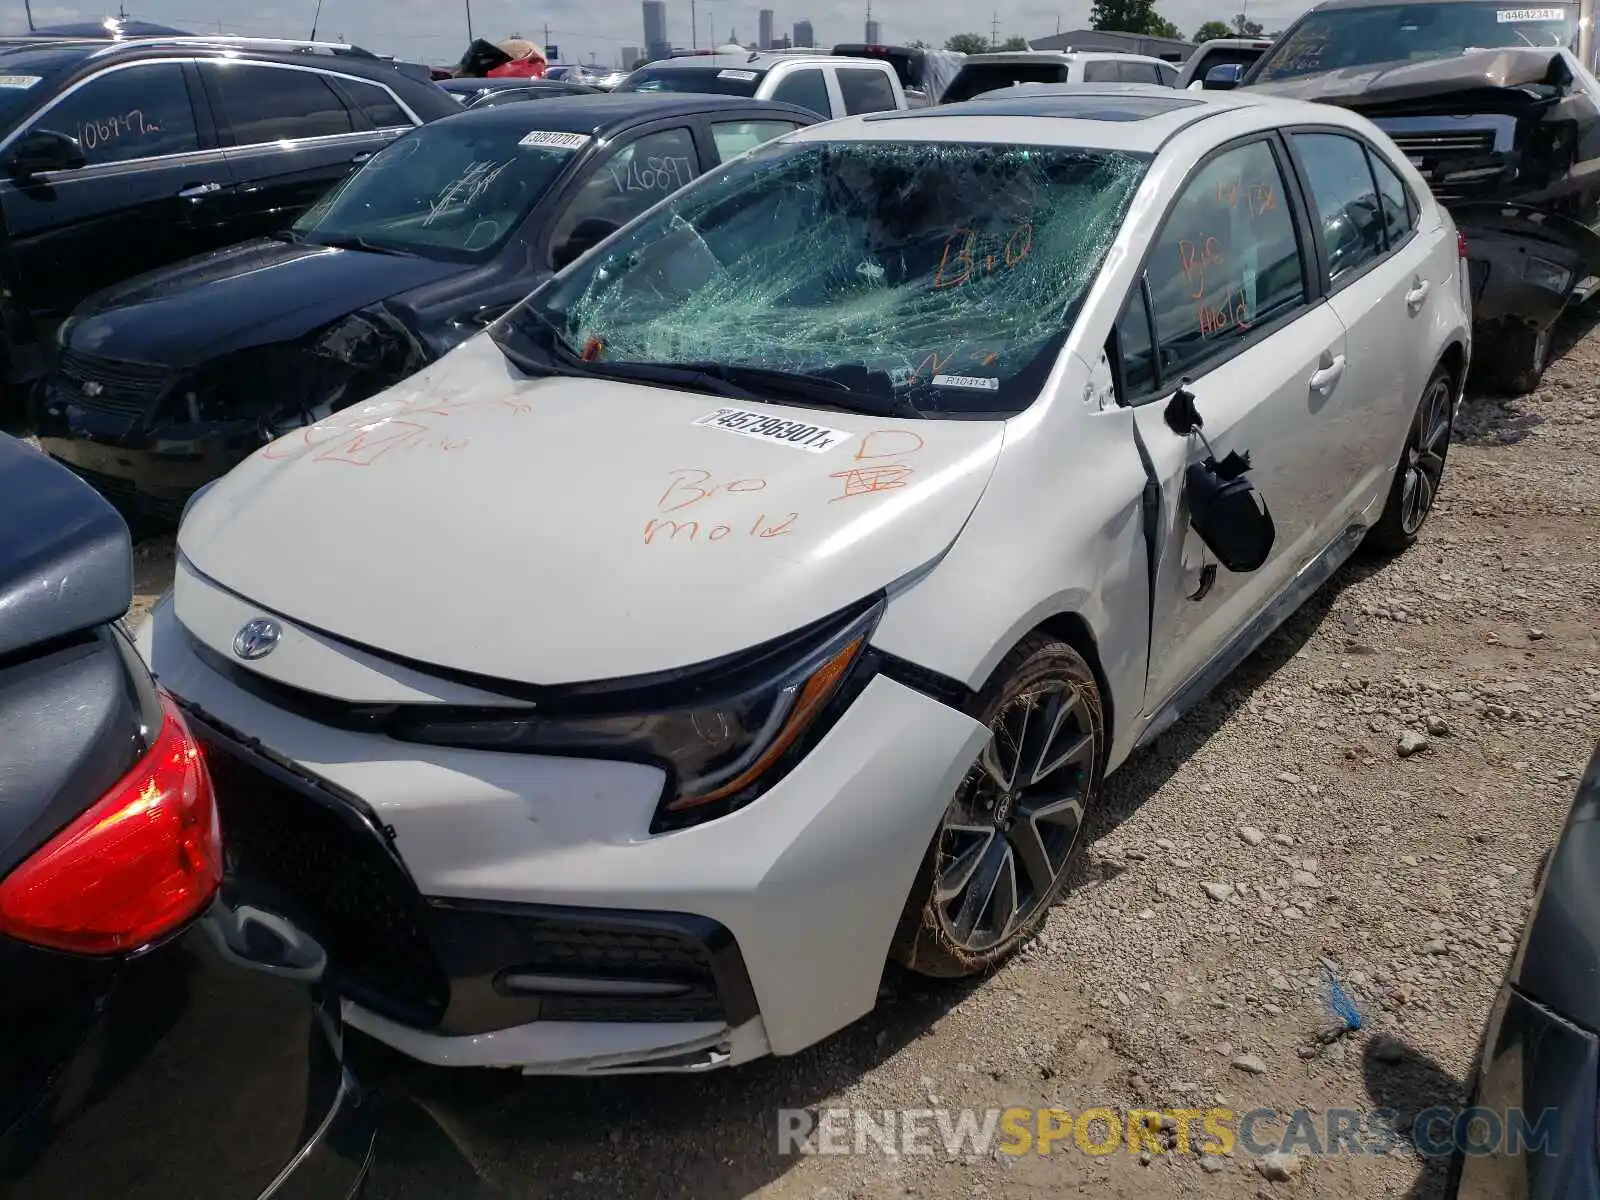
pixel 1228 306
pixel 289 135
pixel 1381 273
pixel 808 87
pixel 866 89
pixel 154 189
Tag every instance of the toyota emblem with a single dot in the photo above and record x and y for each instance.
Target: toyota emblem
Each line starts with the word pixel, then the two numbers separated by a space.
pixel 257 639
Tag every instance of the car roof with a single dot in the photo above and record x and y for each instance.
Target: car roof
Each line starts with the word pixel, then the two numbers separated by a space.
pixel 43 57
pixel 754 61
pixel 1328 4
pixel 56 55
pixel 1137 117
pixel 607 111
pixel 1027 56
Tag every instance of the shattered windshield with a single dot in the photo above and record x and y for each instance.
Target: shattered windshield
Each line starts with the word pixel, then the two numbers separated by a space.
pixel 449 190
pixel 1335 38
pixel 942 275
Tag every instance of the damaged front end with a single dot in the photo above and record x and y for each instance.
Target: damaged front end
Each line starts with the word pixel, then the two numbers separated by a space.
pixel 1509 141
pixel 149 438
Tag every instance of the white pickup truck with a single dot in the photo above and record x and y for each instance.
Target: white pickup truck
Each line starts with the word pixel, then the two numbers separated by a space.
pixel 828 84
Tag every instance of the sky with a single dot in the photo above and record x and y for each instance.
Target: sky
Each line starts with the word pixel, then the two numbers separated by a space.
pixel 436 30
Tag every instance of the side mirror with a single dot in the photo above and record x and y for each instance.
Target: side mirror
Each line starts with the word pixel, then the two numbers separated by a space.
pixel 1224 78
pixel 45 150
pixel 588 234
pixel 1224 507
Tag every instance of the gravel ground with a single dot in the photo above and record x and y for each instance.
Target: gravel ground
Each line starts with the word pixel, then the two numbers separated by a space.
pixel 1274 837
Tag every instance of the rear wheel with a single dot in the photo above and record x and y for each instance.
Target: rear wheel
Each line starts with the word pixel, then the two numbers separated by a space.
pixel 1421 470
pixel 1001 854
pixel 1515 358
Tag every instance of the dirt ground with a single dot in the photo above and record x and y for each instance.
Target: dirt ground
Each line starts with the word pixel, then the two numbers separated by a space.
pixel 1406 878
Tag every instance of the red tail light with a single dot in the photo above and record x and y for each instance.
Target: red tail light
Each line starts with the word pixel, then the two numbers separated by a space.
pixel 1461 244
pixel 140 862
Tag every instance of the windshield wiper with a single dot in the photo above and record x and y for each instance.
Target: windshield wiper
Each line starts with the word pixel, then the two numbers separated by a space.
pixel 352 242
pixel 814 389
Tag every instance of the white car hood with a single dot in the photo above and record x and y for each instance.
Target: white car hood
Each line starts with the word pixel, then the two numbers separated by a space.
pixel 558 530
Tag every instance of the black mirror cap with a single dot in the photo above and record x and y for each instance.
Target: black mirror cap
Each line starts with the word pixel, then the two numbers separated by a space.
pixel 1230 516
pixel 66 557
pixel 1223 78
pixel 46 150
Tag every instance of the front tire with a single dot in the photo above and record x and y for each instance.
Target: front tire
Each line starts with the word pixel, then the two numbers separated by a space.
pixel 1008 835
pixel 1421 470
pixel 1515 359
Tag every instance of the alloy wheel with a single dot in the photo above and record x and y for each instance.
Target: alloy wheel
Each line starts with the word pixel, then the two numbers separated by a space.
pixel 1010 830
pixel 1426 448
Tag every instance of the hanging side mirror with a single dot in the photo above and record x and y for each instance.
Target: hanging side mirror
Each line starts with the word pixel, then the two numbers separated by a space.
pixel 1225 509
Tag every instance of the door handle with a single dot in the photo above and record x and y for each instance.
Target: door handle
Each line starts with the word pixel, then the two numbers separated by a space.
pixel 1418 295
pixel 362 157
pixel 198 190
pixel 1327 373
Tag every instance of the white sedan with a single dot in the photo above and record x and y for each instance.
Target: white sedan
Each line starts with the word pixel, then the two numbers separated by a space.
pixel 766 598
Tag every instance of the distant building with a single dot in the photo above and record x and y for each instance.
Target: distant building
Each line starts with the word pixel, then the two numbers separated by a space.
pixel 802 34
pixel 630 55
pixel 783 43
pixel 1170 49
pixel 655 29
pixel 874 33
pixel 764 39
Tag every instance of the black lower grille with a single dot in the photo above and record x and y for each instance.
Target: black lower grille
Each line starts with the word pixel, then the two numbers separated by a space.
pixel 333 870
pixel 109 385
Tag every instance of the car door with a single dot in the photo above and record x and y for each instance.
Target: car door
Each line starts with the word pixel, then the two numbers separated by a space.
pixel 1138 72
pixel 288 134
pixel 1099 70
pixel 1227 306
pixel 1381 273
pixel 153 187
pixel 865 89
pixel 634 172
pixel 809 88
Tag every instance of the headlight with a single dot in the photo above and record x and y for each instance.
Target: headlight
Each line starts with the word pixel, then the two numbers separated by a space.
pixel 1546 273
pixel 724 733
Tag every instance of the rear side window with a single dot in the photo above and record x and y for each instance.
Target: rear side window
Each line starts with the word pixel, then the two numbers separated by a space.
pixel 733 138
pixel 1399 212
pixel 377 104
pixel 1134 72
pixel 1100 70
pixel 865 90
pixel 269 104
pixel 137 112
pixel 806 88
pixel 1168 75
pixel 1227 260
pixel 1349 219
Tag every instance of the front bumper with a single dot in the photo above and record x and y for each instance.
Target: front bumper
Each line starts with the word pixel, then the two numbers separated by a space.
pixel 807 884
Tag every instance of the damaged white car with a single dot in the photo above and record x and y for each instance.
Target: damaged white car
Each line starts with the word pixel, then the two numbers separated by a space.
pixel 766 597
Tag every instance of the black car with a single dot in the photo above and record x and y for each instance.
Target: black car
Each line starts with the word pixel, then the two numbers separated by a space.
pixel 163 1032
pixel 168 380
pixel 479 93
pixel 120 156
pixel 1538 1068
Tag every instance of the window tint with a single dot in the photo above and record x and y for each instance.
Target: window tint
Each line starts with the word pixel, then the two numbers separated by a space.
pixel 1133 72
pixel 266 104
pixel 633 179
pixel 865 90
pixel 1137 351
pixel 1227 260
pixel 1169 75
pixel 1100 70
pixel 1349 221
pixel 1398 219
pixel 808 89
pixel 134 113
pixel 376 104
pixel 733 138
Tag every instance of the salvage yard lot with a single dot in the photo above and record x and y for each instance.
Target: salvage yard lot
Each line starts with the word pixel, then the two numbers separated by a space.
pixel 1409 875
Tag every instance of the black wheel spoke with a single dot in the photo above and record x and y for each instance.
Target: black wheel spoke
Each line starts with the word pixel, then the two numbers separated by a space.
pixel 1032 857
pixel 982 887
pixel 957 872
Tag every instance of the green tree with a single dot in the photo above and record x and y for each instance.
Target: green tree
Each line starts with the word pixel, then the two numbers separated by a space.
pixel 1122 16
pixel 1212 29
pixel 1245 27
pixel 969 43
pixel 1159 26
pixel 1015 43
pixel 918 44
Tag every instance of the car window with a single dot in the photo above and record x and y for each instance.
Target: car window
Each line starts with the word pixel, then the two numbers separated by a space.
pixel 865 90
pixel 1100 70
pixel 733 138
pixel 1349 220
pixel 1227 260
pixel 1132 72
pixel 630 181
pixel 1398 210
pixel 806 88
pixel 376 104
pixel 1137 351
pixel 1168 75
pixel 269 104
pixel 138 112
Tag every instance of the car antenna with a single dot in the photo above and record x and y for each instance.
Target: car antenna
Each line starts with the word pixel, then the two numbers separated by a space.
pixel 754 54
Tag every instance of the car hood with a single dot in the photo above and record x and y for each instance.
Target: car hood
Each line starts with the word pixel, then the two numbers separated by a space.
pixel 559 530
pixel 262 291
pixel 1386 83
